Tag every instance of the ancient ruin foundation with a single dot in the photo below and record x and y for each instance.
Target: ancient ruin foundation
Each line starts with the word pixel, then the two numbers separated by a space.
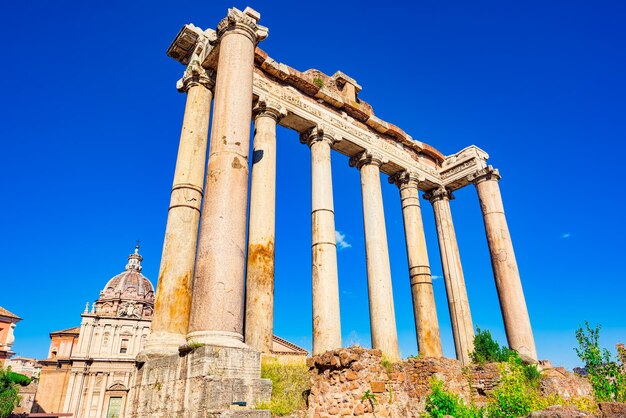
pixel 208 285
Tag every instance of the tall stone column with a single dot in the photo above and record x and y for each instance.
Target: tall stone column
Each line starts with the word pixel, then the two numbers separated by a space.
pixel 261 230
pixel 173 295
pixel 382 315
pixel 325 282
pixel 426 322
pixel 217 308
pixel 458 303
pixel 512 303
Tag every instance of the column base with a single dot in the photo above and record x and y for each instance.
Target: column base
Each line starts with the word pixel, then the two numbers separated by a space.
pixel 216 338
pixel 161 344
pixel 207 381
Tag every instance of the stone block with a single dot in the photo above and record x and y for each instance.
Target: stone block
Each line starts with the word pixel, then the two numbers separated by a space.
pixel 201 383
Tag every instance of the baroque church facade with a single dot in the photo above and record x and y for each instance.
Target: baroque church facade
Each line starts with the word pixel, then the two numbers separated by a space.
pixel 89 369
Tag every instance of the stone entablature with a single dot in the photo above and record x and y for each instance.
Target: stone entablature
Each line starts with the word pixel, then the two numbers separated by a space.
pixel 312 98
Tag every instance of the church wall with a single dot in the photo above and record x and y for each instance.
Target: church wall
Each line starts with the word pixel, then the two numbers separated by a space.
pixel 52 387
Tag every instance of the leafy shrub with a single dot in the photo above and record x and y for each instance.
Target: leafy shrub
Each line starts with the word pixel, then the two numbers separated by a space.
pixel 8 392
pixel 18 378
pixel 514 396
pixel 607 377
pixel 487 350
pixel 289 383
pixel 440 403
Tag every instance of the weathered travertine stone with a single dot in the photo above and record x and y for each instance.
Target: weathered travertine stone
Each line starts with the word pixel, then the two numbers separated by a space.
pixel 218 300
pixel 512 303
pixel 326 314
pixel 380 292
pixel 426 322
pixel 261 230
pixel 173 297
pixel 458 303
pixel 200 383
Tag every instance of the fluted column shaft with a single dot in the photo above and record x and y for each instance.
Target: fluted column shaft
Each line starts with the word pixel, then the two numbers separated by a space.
pixel 380 292
pixel 424 309
pixel 261 232
pixel 217 309
pixel 508 283
pixel 173 296
pixel 325 281
pixel 456 291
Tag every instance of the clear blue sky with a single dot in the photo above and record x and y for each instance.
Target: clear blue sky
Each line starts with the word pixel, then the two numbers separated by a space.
pixel 90 121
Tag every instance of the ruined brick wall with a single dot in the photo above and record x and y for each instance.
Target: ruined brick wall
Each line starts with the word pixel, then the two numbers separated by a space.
pixel 340 378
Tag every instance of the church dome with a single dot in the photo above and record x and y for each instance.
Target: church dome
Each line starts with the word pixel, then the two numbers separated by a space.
pixel 129 293
pixel 130 283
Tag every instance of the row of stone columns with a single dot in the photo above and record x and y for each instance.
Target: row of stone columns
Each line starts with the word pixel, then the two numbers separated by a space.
pixel 213 313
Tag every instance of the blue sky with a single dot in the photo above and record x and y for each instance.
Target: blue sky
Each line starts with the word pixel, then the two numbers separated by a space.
pixel 90 121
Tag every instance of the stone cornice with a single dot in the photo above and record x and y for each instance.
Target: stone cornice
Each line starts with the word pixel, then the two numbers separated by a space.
pixel 456 168
pixel 192 41
pixel 267 107
pixel 319 133
pixel 440 193
pixel 367 158
pixel 244 23
pixel 487 173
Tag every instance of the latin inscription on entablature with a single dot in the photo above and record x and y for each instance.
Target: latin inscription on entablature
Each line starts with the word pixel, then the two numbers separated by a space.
pixel 317 114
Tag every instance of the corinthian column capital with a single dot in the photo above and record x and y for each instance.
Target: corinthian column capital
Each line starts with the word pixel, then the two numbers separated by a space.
pixel 366 158
pixel 196 75
pixel 318 134
pixel 244 23
pixel 486 173
pixel 406 178
pixel 439 193
pixel 271 108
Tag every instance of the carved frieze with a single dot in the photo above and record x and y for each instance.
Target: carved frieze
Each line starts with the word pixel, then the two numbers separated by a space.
pixel 457 167
pixel 341 124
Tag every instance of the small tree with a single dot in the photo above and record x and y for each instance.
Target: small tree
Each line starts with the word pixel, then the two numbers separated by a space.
pixel 606 376
pixel 8 392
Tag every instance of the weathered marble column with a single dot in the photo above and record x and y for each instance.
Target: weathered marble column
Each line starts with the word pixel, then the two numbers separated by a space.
pixel 261 230
pixel 382 315
pixel 217 309
pixel 173 296
pixel 424 309
pixel 458 303
pixel 512 302
pixel 325 282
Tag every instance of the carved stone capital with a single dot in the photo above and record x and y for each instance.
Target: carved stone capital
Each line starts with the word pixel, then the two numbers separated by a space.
pixel 196 75
pixel 487 173
pixel 244 23
pixel 319 133
pixel 406 178
pixel 440 193
pixel 271 108
pixel 367 157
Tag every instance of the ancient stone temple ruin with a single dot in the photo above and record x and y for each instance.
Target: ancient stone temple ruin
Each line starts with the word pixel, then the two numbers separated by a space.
pixel 199 359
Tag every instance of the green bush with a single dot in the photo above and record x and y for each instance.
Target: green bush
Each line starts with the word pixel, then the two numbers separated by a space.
pixel 487 350
pixel 607 377
pixel 289 383
pixel 8 392
pixel 440 403
pixel 514 396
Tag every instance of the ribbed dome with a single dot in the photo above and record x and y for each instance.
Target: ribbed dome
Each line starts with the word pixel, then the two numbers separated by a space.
pixel 130 284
